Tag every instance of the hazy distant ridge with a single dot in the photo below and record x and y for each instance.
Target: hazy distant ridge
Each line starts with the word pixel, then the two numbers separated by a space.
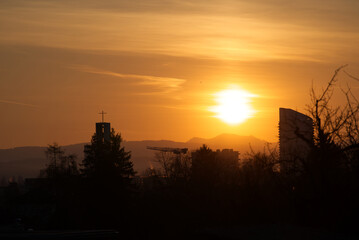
pixel 27 161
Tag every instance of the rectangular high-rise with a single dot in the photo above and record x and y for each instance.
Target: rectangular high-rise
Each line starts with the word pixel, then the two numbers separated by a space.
pixel 295 138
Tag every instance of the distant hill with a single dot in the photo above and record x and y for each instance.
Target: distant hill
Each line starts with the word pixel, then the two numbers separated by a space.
pixel 27 161
pixel 240 143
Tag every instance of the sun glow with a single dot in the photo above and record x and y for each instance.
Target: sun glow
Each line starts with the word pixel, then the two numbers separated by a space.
pixel 233 106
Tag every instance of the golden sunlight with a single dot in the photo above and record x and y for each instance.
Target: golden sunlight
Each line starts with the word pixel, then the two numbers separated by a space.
pixel 233 106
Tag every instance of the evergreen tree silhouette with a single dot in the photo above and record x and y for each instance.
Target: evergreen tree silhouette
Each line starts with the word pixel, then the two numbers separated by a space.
pixel 107 185
pixel 107 159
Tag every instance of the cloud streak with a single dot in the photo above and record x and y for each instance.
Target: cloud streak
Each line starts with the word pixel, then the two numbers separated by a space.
pixel 18 103
pixel 163 84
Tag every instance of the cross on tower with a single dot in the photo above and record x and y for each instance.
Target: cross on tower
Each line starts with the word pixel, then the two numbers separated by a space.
pixel 103 115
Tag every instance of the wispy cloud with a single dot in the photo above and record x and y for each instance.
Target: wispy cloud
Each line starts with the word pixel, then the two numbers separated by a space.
pixel 18 103
pixel 162 84
pixel 301 30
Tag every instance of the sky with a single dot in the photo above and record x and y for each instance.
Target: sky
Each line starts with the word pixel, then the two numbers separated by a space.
pixel 155 66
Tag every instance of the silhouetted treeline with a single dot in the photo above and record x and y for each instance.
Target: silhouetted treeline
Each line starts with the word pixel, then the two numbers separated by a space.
pixel 323 194
pixel 206 194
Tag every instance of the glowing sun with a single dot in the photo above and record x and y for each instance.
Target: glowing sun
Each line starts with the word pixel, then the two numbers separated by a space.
pixel 233 106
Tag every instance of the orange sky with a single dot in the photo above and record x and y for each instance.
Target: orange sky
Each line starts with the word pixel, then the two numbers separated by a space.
pixel 155 65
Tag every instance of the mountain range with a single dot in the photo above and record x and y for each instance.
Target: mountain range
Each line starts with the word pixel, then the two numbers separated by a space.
pixel 27 161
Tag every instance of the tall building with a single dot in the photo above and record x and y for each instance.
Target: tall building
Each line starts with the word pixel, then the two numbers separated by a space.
pixel 295 138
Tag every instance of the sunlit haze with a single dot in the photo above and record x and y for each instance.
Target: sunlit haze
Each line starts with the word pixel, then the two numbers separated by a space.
pixel 157 67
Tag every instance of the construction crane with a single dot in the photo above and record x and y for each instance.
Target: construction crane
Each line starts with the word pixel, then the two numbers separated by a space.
pixel 167 149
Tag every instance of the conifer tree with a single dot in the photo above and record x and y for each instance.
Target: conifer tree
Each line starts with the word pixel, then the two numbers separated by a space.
pixel 107 159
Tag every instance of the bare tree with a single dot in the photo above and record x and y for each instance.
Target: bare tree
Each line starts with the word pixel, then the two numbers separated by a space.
pixel 336 128
pixel 59 165
pixel 335 124
pixel 173 167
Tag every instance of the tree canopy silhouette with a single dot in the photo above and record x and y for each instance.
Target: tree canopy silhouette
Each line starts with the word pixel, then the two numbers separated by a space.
pixel 107 186
pixel 60 165
pixel 107 159
pixel 214 167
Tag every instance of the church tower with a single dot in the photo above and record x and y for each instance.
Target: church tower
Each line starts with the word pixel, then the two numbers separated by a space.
pixel 103 129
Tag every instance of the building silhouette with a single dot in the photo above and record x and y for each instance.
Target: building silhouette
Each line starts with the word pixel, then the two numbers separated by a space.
pixel 214 167
pixel 227 156
pixel 103 129
pixel 295 138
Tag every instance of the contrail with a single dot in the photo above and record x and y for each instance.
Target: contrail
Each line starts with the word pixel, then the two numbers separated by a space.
pixel 18 103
